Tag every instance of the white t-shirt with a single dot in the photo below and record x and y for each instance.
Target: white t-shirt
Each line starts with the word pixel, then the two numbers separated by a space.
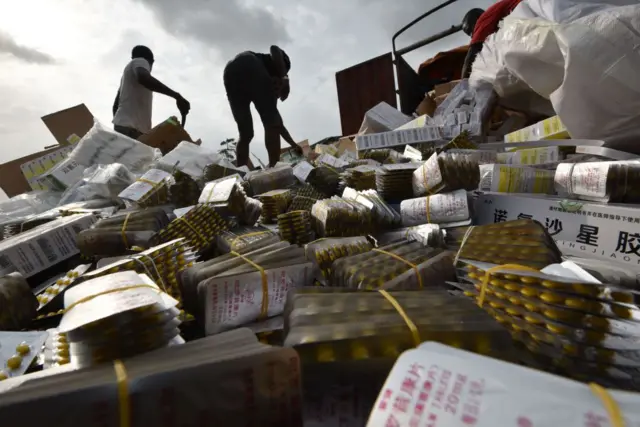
pixel 134 110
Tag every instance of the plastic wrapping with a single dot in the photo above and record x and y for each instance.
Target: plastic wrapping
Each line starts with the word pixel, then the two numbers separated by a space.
pixel 324 252
pixel 337 217
pixel 188 158
pixel 18 350
pixel 221 169
pixel 560 60
pixel 244 239
pixel 399 266
pixel 444 173
pixel 325 179
pixel 360 178
pixel 383 215
pixel 295 227
pixel 329 327
pixel 199 226
pixel 448 210
pixel 271 179
pixel 50 298
pixel 103 146
pixel 599 181
pixel 228 197
pixel 465 109
pixel 121 232
pixel 18 305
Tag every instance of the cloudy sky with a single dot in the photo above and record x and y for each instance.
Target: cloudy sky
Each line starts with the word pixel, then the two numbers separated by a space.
pixel 55 54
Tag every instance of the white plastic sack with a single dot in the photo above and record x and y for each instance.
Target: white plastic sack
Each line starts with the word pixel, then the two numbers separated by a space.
pixel 587 67
pixel 31 203
pixel 190 158
pixel 102 145
pixel 99 182
pixel 382 118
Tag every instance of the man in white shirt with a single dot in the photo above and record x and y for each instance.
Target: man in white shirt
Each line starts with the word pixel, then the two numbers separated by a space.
pixel 133 105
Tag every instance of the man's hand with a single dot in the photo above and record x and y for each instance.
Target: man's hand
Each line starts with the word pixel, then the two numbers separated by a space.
pixel 297 149
pixel 284 89
pixel 183 105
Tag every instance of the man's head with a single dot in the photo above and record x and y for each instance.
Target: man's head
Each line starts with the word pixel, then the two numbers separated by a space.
pixel 143 52
pixel 287 61
pixel 469 21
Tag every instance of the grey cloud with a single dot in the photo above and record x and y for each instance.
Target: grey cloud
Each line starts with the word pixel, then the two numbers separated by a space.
pixel 228 26
pixel 24 53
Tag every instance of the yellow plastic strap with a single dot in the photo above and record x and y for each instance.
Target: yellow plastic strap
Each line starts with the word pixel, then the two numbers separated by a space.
pixel 123 232
pixel 188 224
pixel 487 276
pixel 415 334
pixel 399 258
pixel 424 178
pixel 213 187
pixel 613 410
pixel 428 209
pixel 153 185
pixel 264 310
pixel 109 291
pixel 467 234
pixel 123 393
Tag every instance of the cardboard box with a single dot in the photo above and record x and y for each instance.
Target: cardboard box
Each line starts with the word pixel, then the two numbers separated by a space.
pixel 68 126
pixel 445 88
pixel 398 137
pixel 427 106
pixel 587 229
pixel 166 136
pixel 36 250
pixel 551 128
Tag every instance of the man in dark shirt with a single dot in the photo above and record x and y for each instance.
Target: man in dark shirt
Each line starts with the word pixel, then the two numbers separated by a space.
pixel 479 28
pixel 261 79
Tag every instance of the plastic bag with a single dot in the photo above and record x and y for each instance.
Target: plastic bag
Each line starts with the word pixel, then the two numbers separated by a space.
pixel 105 146
pixel 189 158
pixel 26 204
pixel 585 65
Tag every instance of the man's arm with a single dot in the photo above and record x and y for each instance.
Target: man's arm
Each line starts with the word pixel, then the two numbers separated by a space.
pixel 147 80
pixel 278 60
pixel 474 50
pixel 116 102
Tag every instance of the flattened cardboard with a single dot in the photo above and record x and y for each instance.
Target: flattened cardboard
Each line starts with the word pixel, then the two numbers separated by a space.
pixel 166 136
pixel 70 124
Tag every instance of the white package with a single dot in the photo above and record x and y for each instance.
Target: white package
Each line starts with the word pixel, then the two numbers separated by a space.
pixel 189 158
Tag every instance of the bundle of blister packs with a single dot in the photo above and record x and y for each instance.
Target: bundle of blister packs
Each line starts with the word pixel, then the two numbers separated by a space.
pixel 183 191
pixel 446 172
pixel 227 196
pixel 50 297
pixel 119 233
pixel 236 289
pixel 243 239
pixel 199 226
pixel 324 252
pixel 327 326
pixel 599 181
pixel 18 350
pixel 270 179
pixel 337 217
pixel 325 179
pixel 274 203
pixel 523 242
pixel 295 227
pixel 402 265
pixel 515 179
pixel 427 234
pixel 152 189
pixel 220 170
pixel 383 215
pixel 117 315
pixel 360 178
pixel 491 393
pixel 393 182
pixel 255 385
pixel 447 210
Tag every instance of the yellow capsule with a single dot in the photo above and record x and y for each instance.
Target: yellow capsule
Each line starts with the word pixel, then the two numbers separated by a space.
pixel 551 285
pixel 23 348
pixel 326 353
pixel 556 329
pixel 622 312
pixel 516 327
pixel 472 276
pixel 511 277
pixel 495 304
pixel 512 312
pixel 533 320
pixel 14 362
pixel 531 307
pixel 469 293
pixel 496 283
pixel 529 280
pixel 515 301
pixel 3 376
pixel 359 351
pixel 551 298
pixel 529 292
pixel 512 287
pixel 622 297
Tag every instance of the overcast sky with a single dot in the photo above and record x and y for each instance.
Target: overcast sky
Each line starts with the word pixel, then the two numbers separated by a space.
pixel 55 54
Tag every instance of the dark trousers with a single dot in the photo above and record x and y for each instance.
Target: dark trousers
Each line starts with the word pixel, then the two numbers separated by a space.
pixel 130 132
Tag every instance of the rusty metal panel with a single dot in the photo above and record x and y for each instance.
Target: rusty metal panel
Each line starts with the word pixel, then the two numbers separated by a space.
pixel 363 86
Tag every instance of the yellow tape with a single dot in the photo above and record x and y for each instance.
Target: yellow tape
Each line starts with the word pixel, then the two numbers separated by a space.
pixel 613 410
pixel 213 187
pixel 122 382
pixel 123 231
pixel 264 309
pixel 188 224
pixel 488 272
pixel 399 258
pixel 415 334
pixel 154 186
